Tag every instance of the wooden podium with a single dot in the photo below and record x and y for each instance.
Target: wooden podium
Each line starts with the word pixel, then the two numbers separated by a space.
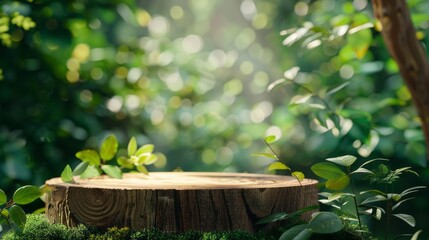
pixel 177 201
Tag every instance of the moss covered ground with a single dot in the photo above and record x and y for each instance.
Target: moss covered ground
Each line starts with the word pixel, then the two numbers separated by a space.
pixel 39 228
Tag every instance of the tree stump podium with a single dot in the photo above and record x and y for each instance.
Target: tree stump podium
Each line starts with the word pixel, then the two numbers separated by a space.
pixel 177 201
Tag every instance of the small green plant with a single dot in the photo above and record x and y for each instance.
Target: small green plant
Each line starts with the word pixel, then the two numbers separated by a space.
pixel 293 217
pixel 278 164
pixel 11 211
pixel 95 163
pixel 337 180
pixel 320 223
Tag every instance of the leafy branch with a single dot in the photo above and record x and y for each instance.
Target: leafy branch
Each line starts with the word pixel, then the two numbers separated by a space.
pixel 278 165
pixel 11 210
pixel 95 163
pixel 337 180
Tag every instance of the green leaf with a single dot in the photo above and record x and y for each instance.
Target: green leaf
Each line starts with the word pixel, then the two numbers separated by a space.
pixel 268 155
pixel 339 195
pixel 291 73
pixel 293 38
pixel 405 169
pixel 416 235
pixel 26 194
pixel 270 139
pixel 406 218
pixel 304 210
pixel 277 166
pixel 396 197
pixel 273 218
pixel 150 159
pixel 326 201
pixel 89 156
pixel 309 42
pixel 67 175
pixel 320 29
pixel 298 175
pixel 362 170
pixel 373 160
pixel 18 216
pixel 376 198
pixel 112 171
pixel 275 83
pixel 411 190
pixel 317 106
pixel 298 99
pixel 413 172
pixel 361 27
pixel 109 147
pixel 282 215
pixel 383 169
pixel 304 234
pixel 141 159
pixel 45 189
pixel 325 222
pixel 375 191
pixel 378 213
pixel 400 202
pixel 3 197
pixel 338 184
pixel 91 171
pixel 338 88
pixel 125 162
pixel 321 118
pixel 293 232
pixel 4 213
pixel 147 148
pixel 345 161
pixel 327 170
pixel 325 194
pixel 80 168
pixel 360 42
pixel 373 211
pixel 142 169
pixel 132 146
pixel 136 160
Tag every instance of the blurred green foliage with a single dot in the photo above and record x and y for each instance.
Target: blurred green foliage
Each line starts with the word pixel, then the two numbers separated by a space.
pixel 177 75
pixel 191 77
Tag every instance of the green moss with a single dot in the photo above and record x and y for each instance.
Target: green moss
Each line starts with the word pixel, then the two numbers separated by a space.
pixel 39 228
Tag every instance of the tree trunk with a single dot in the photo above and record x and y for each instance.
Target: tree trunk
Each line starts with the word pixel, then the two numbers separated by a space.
pixel 177 201
pixel 402 43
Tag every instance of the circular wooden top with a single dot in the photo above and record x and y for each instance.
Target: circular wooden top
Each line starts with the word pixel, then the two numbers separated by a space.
pixel 186 181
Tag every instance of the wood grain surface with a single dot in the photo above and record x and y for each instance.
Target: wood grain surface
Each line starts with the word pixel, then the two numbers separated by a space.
pixel 177 201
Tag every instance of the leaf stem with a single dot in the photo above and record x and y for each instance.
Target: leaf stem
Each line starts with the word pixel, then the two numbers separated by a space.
pixel 388 213
pixel 278 158
pixel 355 203
pixel 272 150
pixel 9 204
pixel 314 95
